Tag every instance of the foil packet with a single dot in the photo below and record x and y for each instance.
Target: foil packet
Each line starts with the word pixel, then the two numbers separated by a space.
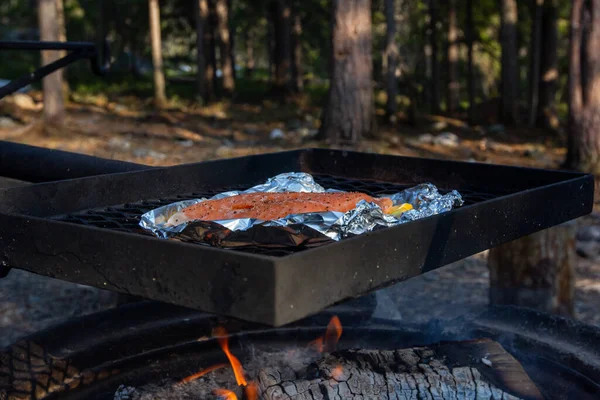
pixel 295 230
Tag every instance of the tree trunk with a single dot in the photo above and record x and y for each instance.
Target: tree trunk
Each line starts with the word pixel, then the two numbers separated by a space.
pixel 297 73
pixel 470 70
pixel 54 104
pixel 547 116
pixel 272 19
pixel 250 62
pixel 428 62
pixel 448 371
pixel 435 67
pixel 391 57
pixel 160 98
pixel 62 37
pixel 584 94
pixel 536 271
pixel 201 16
pixel 231 38
pixel 282 33
pixel 536 59
pixel 350 110
pixel 453 91
pixel 225 46
pixel 510 68
pixel 210 58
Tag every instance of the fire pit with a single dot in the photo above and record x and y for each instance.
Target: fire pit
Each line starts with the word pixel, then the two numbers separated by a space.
pixel 148 349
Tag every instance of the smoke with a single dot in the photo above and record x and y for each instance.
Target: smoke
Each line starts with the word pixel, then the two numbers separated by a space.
pixel 386 307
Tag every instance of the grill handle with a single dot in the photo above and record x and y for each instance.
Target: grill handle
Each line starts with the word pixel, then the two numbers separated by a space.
pixel 100 60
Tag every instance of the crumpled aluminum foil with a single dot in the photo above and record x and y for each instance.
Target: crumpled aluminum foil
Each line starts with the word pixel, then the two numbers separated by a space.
pixel 310 229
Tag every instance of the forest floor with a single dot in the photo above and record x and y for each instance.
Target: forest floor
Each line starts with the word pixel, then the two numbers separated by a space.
pixel 126 128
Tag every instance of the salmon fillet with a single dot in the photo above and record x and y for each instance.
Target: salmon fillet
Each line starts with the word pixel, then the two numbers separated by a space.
pixel 270 206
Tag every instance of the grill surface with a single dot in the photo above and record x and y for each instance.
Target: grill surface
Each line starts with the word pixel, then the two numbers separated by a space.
pixel 97 240
pixel 126 217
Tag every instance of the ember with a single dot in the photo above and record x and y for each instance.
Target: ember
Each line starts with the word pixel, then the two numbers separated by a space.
pixel 328 342
pixel 337 372
pixel 225 394
pixel 202 373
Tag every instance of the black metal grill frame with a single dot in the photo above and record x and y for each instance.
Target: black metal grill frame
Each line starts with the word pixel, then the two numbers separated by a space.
pixel 504 203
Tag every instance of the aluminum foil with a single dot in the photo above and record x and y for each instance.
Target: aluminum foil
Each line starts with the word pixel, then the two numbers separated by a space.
pixel 309 229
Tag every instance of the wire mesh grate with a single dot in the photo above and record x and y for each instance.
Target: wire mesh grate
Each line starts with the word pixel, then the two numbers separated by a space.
pixel 126 217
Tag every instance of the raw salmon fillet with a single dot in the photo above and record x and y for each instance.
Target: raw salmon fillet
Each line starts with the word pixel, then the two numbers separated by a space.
pixel 270 206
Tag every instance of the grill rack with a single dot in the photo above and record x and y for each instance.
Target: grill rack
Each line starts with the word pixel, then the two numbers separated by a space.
pixel 274 287
pixel 126 217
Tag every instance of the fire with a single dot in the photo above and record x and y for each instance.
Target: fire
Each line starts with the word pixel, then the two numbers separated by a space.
pixel 225 394
pixel 333 334
pixel 251 391
pixel 328 342
pixel 337 372
pixel 202 373
pixel 238 371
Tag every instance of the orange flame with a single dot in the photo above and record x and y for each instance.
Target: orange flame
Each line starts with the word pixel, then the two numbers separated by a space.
pixel 337 372
pixel 328 342
pixel 238 371
pixel 251 391
pixel 225 394
pixel 202 373
pixel 333 334
pixel 317 344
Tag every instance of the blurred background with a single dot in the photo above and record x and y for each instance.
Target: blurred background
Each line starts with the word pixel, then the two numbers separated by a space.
pixel 506 82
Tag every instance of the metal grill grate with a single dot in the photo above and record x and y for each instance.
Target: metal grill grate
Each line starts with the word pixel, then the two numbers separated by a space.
pixel 126 217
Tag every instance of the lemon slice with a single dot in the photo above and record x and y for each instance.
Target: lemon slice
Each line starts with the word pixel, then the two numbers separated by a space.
pixel 396 211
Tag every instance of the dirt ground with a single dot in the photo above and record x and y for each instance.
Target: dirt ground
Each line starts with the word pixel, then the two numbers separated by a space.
pixel 119 131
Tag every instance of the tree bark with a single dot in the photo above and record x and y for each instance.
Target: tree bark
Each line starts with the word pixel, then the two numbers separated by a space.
pixel 470 36
pixel 391 57
pixel 297 71
pixel 201 17
pixel 584 94
pixel 282 33
pixel 547 116
pixel 349 114
pixel 536 59
pixel 510 71
pixel 536 271
pixel 435 67
pixel 453 90
pixel 54 104
pixel 160 98
pixel 250 62
pixel 438 371
pixel 228 82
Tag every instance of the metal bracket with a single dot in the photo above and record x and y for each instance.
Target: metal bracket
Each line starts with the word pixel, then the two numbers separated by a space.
pixel 100 62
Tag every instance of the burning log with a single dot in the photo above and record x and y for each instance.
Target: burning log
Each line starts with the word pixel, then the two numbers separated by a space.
pixel 464 370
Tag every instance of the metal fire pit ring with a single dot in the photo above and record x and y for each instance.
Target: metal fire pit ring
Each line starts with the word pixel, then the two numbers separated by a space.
pixel 89 357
